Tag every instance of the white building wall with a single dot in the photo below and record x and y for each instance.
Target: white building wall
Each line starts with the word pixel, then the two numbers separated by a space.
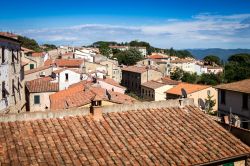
pixel 73 78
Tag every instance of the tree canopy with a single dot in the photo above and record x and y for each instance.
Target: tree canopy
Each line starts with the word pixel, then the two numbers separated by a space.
pixel 49 47
pixel 211 59
pixel 128 57
pixel 29 43
pixel 237 68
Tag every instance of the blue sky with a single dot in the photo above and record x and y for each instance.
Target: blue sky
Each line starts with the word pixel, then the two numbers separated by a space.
pixel 163 23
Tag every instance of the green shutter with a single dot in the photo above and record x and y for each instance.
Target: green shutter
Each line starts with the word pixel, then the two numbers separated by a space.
pixel 37 99
pixel 32 66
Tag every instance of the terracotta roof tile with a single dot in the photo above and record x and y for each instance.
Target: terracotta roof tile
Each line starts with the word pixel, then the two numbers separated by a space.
pixel 38 54
pixel 168 80
pixel 112 82
pixel 82 93
pixel 165 136
pixel 189 88
pixel 75 63
pixel 153 84
pixel 42 85
pixel 156 57
pixel 239 86
pixel 36 69
pixel 135 69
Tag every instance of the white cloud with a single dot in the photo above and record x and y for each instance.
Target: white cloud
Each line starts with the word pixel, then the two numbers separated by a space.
pixel 203 30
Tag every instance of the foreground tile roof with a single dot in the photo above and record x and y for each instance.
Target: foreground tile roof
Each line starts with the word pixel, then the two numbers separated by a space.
pixel 189 88
pixel 163 136
pixel 239 86
pixel 82 93
pixel 36 70
pixel 42 85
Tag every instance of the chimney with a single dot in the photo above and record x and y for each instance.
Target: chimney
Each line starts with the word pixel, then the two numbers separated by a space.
pixel 96 108
pixel 181 102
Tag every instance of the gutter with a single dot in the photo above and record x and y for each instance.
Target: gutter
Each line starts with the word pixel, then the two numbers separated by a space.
pixel 225 160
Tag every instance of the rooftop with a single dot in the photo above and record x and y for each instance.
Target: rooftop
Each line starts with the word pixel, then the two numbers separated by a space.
pixel 135 69
pixel 189 88
pixel 168 80
pixel 151 133
pixel 156 56
pixel 153 84
pixel 36 70
pixel 112 82
pixel 82 93
pixel 75 63
pixel 43 84
pixel 239 86
pixel 8 34
pixel 181 61
pixel 37 54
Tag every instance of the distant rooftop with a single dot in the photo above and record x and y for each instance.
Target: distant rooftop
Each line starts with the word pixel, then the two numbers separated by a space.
pixel 189 88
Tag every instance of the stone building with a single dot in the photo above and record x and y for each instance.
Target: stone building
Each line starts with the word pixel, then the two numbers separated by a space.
pixel 235 98
pixel 134 76
pixel 11 88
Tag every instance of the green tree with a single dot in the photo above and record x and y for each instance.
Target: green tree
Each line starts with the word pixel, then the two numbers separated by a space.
pixel 29 43
pixel 237 68
pixel 190 77
pixel 210 103
pixel 128 57
pixel 177 74
pixel 211 59
pixel 210 79
pixel 49 47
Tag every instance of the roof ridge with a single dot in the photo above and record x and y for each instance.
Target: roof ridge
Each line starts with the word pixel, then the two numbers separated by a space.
pixel 28 116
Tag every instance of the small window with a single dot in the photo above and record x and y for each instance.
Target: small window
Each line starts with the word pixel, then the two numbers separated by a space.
pixel 66 76
pixel 12 56
pixel 13 86
pixel 3 90
pixel 36 99
pixel 32 66
pixel 245 100
pixel 223 97
pixel 3 54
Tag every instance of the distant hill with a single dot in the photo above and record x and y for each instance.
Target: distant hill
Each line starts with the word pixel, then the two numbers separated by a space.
pixel 224 54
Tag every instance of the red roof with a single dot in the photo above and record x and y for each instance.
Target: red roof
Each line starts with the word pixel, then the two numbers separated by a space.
pixel 155 57
pixel 163 136
pixel 42 85
pixel 37 54
pixel 7 34
pixel 71 63
pixel 81 94
pixel 189 88
pixel 112 82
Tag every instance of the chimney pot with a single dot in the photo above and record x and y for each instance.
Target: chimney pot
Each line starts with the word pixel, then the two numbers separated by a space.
pixel 96 109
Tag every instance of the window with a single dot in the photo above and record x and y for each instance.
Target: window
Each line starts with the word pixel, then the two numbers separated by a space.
pixel 36 99
pixel 3 90
pixel 66 76
pixel 13 86
pixel 3 55
pixel 12 56
pixel 245 100
pixel 32 66
pixel 223 97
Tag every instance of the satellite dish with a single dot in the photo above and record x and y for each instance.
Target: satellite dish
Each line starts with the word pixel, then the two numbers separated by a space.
pixel 184 93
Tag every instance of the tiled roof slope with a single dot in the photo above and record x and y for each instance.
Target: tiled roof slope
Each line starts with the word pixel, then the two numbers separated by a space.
pixel 239 86
pixel 65 62
pixel 153 84
pixel 82 93
pixel 42 85
pixel 163 136
pixel 36 70
pixel 189 88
